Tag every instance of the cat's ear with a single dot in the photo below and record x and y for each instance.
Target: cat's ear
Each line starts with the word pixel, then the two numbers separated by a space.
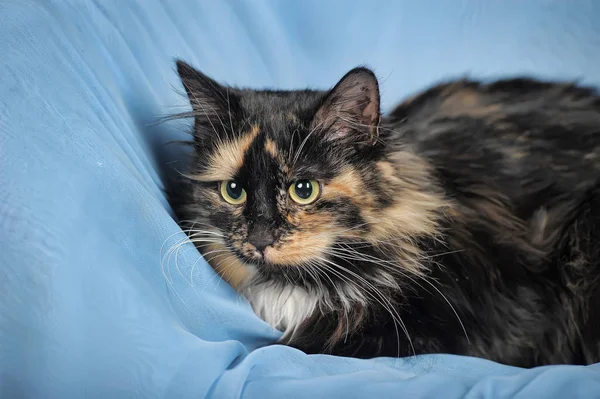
pixel 210 100
pixel 350 111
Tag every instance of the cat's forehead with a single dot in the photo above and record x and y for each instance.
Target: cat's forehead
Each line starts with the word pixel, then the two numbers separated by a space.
pixel 269 138
pixel 259 152
pixel 280 101
pixel 277 110
pixel 274 150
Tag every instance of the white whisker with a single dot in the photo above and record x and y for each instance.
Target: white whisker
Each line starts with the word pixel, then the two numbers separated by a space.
pixel 389 307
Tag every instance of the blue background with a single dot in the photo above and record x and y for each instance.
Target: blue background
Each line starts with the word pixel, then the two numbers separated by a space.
pixel 97 297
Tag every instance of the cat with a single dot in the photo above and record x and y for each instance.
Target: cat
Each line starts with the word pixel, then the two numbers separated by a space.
pixel 467 221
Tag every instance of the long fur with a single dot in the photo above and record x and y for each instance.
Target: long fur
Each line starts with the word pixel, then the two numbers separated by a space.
pixel 467 221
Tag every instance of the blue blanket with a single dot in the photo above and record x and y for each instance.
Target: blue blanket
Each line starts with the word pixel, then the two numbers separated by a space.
pixel 101 296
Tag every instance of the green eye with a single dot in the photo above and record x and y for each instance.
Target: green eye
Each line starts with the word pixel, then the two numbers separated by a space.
pixel 304 191
pixel 233 192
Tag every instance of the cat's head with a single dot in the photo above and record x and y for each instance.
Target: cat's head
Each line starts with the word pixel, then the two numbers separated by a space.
pixel 282 182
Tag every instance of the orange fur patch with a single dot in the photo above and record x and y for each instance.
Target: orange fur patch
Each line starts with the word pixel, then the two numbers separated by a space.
pixel 417 209
pixel 271 148
pixel 301 247
pixel 228 157
pixel 348 183
pixel 415 213
pixel 227 265
pixel 466 102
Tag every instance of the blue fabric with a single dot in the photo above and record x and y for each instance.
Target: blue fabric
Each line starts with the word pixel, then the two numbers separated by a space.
pixel 93 303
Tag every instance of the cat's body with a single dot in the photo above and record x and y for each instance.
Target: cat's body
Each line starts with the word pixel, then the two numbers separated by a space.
pixel 467 221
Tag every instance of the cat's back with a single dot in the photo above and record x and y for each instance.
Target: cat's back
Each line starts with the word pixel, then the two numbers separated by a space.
pixel 511 133
pixel 520 160
pixel 519 101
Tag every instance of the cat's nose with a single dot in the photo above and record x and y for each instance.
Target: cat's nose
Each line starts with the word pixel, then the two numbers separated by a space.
pixel 260 239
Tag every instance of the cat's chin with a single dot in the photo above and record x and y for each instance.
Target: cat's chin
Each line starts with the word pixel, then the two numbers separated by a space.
pixel 267 260
pixel 265 266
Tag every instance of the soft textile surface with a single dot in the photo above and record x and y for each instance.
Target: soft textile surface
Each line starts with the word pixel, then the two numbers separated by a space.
pixel 93 303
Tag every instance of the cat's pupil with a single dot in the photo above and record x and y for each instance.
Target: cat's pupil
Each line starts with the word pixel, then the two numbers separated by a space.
pixel 234 189
pixel 303 188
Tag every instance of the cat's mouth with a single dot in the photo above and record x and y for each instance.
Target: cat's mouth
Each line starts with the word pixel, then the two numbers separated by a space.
pixel 293 251
pixel 278 257
pixel 298 249
pixel 268 257
pixel 237 266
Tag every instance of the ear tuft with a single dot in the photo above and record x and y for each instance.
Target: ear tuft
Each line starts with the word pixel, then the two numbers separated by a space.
pixel 351 109
pixel 185 70
pixel 207 97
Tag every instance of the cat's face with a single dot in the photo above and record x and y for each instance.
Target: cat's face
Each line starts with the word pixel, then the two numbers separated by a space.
pixel 280 177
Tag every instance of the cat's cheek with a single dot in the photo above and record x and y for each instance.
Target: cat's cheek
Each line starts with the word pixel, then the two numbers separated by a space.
pixel 227 265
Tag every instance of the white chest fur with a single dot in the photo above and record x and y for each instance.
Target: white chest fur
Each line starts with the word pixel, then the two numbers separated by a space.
pixel 283 307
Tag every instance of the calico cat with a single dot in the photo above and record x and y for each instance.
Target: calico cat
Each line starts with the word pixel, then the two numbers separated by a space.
pixel 467 221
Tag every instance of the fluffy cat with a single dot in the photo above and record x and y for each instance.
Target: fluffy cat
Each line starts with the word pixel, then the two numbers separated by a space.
pixel 467 221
